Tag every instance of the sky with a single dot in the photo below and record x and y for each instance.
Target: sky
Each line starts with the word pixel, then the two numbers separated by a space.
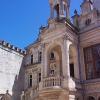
pixel 20 19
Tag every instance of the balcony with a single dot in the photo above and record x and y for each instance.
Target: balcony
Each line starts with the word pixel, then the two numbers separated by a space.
pixel 50 82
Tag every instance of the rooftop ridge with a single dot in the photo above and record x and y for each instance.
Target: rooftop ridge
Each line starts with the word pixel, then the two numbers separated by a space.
pixel 12 47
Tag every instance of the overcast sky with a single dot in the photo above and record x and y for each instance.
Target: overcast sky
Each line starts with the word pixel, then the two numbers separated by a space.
pixel 20 19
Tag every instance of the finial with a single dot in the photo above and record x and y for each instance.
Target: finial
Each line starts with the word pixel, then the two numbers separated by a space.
pixel 75 12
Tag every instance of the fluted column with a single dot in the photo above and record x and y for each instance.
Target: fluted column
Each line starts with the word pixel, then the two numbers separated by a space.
pixel 65 61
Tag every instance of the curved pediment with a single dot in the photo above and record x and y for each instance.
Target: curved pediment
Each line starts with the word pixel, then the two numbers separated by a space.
pixel 57 29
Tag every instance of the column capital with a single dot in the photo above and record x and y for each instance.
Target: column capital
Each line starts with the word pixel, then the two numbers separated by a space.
pixel 43 45
pixel 66 37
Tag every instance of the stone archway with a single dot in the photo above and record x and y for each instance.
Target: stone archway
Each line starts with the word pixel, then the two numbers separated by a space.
pixel 54 61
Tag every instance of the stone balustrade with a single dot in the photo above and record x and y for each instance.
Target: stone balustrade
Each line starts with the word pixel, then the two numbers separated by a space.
pixel 52 81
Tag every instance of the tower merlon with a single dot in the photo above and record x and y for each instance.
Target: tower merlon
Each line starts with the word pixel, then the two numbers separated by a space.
pixel 12 47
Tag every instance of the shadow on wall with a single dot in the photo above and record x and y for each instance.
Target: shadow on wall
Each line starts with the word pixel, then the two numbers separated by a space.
pixel 18 86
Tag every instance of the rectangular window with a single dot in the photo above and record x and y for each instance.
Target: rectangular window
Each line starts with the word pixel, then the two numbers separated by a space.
pixel 30 80
pixel 39 77
pixel 72 70
pixel 31 59
pixel 92 61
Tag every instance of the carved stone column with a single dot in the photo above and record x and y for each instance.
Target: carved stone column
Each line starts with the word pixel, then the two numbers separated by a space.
pixel 65 61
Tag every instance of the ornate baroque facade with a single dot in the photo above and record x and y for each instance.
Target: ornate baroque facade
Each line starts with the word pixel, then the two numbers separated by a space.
pixel 64 62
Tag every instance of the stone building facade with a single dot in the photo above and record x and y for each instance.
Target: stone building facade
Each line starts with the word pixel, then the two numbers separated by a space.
pixel 64 62
pixel 10 70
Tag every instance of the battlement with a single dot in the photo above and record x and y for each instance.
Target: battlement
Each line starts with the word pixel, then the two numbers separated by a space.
pixel 12 47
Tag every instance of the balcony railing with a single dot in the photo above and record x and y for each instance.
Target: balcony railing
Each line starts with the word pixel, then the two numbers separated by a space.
pixel 52 81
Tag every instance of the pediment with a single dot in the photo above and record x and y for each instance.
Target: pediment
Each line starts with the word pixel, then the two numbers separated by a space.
pixel 55 28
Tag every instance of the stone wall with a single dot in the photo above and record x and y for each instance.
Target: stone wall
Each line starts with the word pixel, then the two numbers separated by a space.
pixel 97 4
pixel 10 68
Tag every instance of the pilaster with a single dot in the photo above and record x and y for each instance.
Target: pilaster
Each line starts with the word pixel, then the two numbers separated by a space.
pixel 42 66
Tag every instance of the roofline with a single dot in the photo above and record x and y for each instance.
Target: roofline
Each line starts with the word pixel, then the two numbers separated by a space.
pixel 12 47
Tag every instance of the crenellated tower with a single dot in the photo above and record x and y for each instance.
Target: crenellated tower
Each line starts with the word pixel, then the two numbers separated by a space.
pixel 59 8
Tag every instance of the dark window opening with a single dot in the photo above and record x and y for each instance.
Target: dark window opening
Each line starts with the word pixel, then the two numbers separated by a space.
pixel 88 21
pixel 77 98
pixel 92 61
pixel 72 70
pixel 31 59
pixel 52 56
pixel 39 77
pixel 30 80
pixel 57 10
pixel 91 98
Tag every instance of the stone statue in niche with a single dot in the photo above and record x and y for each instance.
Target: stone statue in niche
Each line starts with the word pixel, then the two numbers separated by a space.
pixel 53 69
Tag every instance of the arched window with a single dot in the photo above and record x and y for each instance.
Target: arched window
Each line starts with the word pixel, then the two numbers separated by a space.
pixel 57 10
pixel 91 98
